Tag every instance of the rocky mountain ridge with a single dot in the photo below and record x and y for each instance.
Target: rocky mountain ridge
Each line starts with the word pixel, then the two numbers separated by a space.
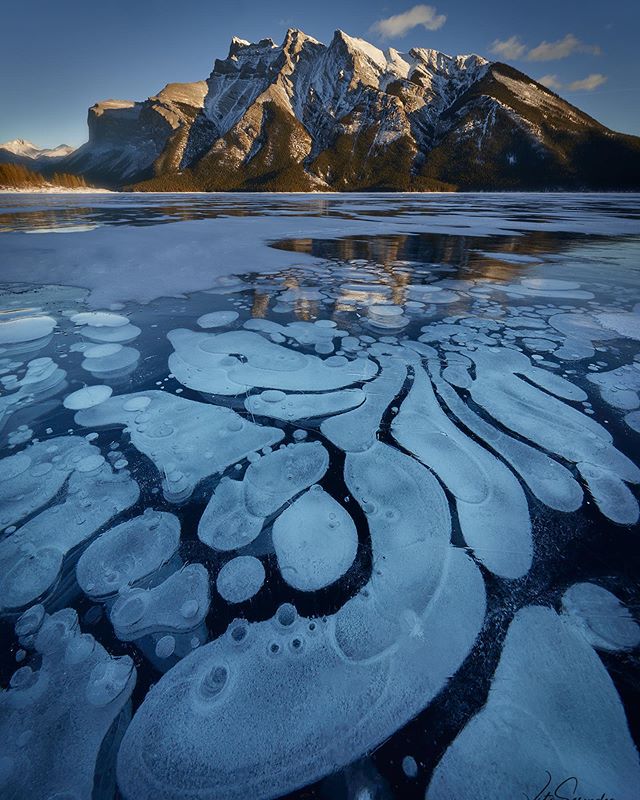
pixel 304 116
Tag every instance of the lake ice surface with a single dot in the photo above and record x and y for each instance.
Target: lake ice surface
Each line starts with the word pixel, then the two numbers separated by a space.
pixel 316 496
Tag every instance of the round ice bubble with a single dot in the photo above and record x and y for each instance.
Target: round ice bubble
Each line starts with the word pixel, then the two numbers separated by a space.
pixel 25 329
pixel 240 579
pixel 217 319
pixel 88 397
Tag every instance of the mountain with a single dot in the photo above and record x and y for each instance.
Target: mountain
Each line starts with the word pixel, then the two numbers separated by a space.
pixel 21 151
pixel 306 116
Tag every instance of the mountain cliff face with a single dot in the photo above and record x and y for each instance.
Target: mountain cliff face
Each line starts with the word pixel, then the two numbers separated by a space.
pixel 306 116
pixel 130 141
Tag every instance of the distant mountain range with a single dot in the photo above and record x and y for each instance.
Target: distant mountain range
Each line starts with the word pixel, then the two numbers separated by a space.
pixel 304 116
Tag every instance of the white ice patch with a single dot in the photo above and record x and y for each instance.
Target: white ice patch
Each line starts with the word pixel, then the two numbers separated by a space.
pixel 548 480
pixel 128 553
pixel 315 541
pixel 555 426
pixel 626 324
pixel 276 478
pixel 240 579
pixel 187 441
pixel 237 510
pixel 620 387
pixel 552 709
pixel 226 523
pixel 32 478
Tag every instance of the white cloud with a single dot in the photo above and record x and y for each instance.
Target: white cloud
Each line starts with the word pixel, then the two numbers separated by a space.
pixel 551 82
pixel 511 48
pixel 400 24
pixel 552 51
pixel 588 84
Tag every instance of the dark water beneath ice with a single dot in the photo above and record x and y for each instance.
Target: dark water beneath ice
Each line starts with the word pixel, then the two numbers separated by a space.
pixel 433 284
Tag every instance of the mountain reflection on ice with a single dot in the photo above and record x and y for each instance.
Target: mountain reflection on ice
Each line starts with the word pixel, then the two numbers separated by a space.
pixel 354 521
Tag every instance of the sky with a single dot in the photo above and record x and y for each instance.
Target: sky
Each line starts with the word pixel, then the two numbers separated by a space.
pixel 58 57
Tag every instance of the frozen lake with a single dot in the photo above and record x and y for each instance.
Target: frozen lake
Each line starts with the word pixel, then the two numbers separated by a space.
pixel 319 496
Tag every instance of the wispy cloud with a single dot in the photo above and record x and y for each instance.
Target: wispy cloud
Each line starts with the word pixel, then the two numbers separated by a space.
pixel 514 49
pixel 401 24
pixel 563 48
pixel 551 82
pixel 511 48
pixel 587 84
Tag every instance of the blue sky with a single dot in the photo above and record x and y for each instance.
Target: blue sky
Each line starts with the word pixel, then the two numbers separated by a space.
pixel 58 57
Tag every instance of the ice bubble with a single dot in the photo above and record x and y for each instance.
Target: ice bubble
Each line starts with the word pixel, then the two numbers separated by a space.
pixel 26 329
pixel 410 767
pixel 228 703
pixel 77 681
pixel 186 440
pixel 315 541
pixel 600 617
pixel 32 557
pixel 357 429
pixel 542 418
pixel 165 646
pixel 549 481
pixel 626 324
pixel 240 579
pixel 278 477
pixel 552 711
pixel 88 397
pixel 99 319
pixel 128 553
pixel 290 407
pixel 209 363
pixel 620 387
pixel 140 612
pixel 226 523
pixel 217 319
pixel 492 507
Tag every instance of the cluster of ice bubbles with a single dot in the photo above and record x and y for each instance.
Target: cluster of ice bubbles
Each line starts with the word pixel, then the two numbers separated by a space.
pixel 273 705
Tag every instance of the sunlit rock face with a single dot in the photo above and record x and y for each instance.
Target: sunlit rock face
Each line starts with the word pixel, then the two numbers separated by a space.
pixel 365 530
